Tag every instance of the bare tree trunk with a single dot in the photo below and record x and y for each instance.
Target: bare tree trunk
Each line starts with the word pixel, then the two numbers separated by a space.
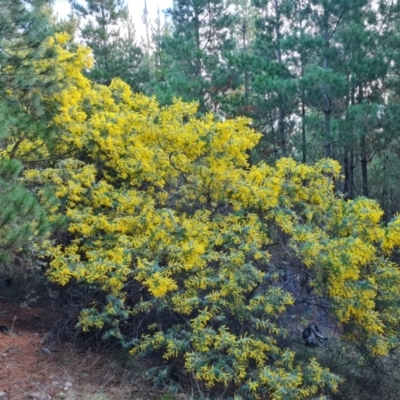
pixel 364 165
pixel 328 137
pixel 346 171
pixel 197 39
pixel 351 173
pixel 328 106
pixel 303 129
pixel 363 149
pixel 246 74
pixel 103 18
pixel 303 106
pixel 146 22
pixel 281 114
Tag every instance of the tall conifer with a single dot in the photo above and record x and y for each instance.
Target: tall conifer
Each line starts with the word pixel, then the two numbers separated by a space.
pixel 26 77
pixel 108 30
pixel 194 53
pixel 273 81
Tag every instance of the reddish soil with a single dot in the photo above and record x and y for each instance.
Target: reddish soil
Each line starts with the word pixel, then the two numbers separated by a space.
pixel 31 368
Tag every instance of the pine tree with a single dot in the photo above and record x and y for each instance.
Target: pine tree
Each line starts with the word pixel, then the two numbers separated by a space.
pixel 160 30
pixel 387 189
pixel 238 100
pixel 115 54
pixel 273 83
pixel 28 75
pixel 26 72
pixel 343 83
pixel 147 24
pixel 245 17
pixel 22 220
pixel 194 53
pixel 300 44
pixel 365 68
pixel 129 62
pixel 323 84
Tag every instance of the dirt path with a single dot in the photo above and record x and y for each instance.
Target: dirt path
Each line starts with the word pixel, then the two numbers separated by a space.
pixel 31 368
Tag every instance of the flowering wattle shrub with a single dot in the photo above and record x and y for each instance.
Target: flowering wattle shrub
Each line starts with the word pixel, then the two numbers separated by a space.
pixel 166 217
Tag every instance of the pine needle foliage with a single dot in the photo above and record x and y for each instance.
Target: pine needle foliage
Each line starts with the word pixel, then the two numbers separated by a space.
pixel 28 75
pixel 107 28
pixel 22 220
pixel 27 72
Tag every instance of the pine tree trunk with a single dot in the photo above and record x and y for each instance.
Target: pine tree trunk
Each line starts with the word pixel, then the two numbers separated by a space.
pixel 246 74
pixel 146 23
pixel 197 39
pixel 327 108
pixel 363 149
pixel 303 129
pixel 351 174
pixel 328 138
pixel 303 105
pixel 105 47
pixel 346 171
pixel 364 165
pixel 281 114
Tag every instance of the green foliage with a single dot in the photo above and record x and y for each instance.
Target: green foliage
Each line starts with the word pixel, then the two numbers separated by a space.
pixel 366 377
pixel 191 56
pixel 22 220
pixel 28 74
pixel 115 52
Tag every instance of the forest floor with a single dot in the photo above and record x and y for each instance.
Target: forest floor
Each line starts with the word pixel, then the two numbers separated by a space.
pixel 31 367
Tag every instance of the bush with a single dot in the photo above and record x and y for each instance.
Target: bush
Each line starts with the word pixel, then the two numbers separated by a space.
pixel 193 247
